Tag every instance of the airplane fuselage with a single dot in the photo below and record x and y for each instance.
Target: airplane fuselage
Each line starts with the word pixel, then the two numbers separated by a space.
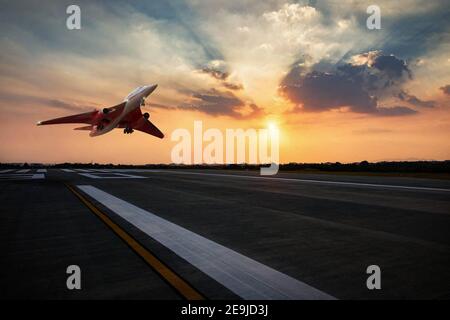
pixel 133 101
pixel 126 115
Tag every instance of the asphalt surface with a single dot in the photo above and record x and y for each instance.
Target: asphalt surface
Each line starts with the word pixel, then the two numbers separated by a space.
pixel 320 231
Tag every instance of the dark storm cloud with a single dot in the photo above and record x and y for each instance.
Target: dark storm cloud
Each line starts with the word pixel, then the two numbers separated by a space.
pixel 217 103
pixel 318 91
pixel 410 34
pixel 393 67
pixel 413 35
pixel 413 100
pixel 358 85
pixel 378 73
pixel 446 89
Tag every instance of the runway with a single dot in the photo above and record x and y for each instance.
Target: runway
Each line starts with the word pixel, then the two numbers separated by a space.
pixel 212 234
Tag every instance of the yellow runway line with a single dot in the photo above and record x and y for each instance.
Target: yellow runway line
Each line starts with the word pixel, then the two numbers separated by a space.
pixel 180 285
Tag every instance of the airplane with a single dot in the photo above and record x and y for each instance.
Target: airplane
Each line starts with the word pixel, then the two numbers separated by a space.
pixel 127 115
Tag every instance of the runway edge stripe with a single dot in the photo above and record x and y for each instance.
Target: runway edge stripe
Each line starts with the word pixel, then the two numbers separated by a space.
pixel 329 182
pixel 173 279
pixel 249 279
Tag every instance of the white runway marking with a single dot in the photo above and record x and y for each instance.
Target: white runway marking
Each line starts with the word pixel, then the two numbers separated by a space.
pixel 342 183
pixel 246 277
pixel 111 170
pixel 21 176
pixel 128 170
pixel 110 175
pixel 6 170
pixel 23 171
pixel 41 170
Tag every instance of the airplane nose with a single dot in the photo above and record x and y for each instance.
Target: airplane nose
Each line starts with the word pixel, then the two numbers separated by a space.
pixel 150 89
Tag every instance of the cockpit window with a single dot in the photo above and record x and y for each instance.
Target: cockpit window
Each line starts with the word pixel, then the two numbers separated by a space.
pixel 134 92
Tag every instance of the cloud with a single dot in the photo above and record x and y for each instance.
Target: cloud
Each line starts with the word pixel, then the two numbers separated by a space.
pixel 160 106
pixel 216 74
pixel 216 103
pixel 319 91
pixel 446 89
pixel 71 106
pixel 255 112
pixel 395 111
pixel 372 131
pixel 393 67
pixel 16 99
pixel 418 31
pixel 413 100
pixel 218 70
pixel 245 48
pixel 358 84
pixel 233 86
pixel 380 74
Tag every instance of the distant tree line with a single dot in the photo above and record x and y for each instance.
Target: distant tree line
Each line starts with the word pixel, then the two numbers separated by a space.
pixel 363 166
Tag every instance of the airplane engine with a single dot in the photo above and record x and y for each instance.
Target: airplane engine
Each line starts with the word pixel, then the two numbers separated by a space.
pixel 146 115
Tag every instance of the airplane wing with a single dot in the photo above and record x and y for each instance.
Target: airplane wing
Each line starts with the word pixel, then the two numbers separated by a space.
pixel 115 110
pixel 146 126
pixel 86 117
pixel 140 123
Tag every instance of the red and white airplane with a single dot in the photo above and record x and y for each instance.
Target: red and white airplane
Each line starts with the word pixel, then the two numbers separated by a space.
pixel 127 115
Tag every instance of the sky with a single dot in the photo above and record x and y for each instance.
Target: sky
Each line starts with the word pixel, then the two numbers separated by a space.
pixel 335 90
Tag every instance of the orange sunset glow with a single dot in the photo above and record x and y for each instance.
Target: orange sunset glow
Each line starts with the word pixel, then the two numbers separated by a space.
pixel 335 90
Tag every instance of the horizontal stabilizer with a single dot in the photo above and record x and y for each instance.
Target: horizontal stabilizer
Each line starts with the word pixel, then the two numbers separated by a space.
pixel 84 128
